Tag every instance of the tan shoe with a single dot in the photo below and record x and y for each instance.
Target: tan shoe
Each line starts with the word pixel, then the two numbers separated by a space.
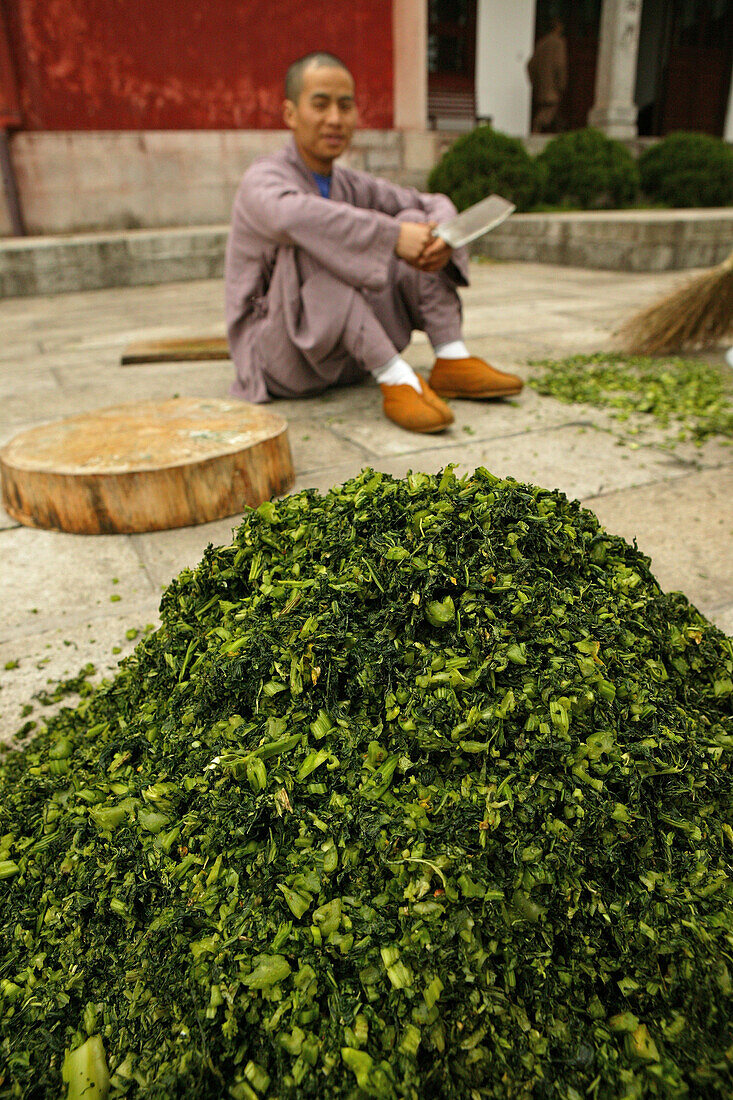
pixel 417 412
pixel 472 378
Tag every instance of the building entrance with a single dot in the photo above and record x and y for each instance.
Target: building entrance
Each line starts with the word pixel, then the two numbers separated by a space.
pixel 452 63
pixel 684 62
pixel 582 27
pixel 684 71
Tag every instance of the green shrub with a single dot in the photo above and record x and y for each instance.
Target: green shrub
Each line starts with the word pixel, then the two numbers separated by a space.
pixel 688 170
pixel 585 168
pixel 485 161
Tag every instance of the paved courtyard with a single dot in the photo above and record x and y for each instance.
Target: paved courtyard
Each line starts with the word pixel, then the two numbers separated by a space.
pixel 67 599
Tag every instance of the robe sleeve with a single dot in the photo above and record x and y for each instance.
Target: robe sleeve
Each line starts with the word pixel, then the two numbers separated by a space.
pixel 354 244
pixel 390 198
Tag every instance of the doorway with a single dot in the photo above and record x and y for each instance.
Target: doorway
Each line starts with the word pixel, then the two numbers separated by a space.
pixel 452 64
pixel 684 71
pixel 582 22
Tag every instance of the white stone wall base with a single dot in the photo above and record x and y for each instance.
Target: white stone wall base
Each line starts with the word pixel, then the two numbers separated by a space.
pixel 84 181
pixel 616 121
pixel 629 240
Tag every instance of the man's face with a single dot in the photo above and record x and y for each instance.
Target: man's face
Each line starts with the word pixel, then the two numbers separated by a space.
pixel 324 117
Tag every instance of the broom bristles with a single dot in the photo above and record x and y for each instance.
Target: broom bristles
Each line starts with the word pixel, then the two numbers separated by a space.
pixel 696 315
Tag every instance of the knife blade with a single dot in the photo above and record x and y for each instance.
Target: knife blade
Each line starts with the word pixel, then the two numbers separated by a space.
pixel 475 221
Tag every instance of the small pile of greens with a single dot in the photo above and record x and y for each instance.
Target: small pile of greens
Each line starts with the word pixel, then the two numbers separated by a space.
pixel 688 396
pixel 422 790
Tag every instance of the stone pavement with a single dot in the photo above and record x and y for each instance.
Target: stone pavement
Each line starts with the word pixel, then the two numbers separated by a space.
pixel 67 599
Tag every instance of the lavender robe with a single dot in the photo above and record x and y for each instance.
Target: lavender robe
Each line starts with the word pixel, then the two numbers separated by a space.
pixel 284 234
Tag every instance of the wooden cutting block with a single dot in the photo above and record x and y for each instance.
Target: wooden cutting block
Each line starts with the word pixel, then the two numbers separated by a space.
pixel 178 350
pixel 146 466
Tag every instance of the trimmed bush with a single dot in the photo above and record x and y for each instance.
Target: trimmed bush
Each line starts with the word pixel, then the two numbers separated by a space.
pixel 587 169
pixel 688 170
pixel 484 161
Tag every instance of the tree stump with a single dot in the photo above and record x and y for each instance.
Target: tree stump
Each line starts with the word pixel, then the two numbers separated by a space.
pixel 147 466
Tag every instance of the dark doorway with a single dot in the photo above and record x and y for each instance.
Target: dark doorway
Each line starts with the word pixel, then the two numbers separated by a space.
pixel 685 52
pixel 451 61
pixel 582 26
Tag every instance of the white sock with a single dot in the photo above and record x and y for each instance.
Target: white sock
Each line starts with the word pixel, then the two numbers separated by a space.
pixel 396 372
pixel 456 349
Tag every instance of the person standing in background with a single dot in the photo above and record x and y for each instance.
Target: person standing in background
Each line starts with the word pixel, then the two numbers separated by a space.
pixel 547 69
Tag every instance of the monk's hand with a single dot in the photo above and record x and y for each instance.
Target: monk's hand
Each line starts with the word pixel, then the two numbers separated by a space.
pixel 436 253
pixel 414 239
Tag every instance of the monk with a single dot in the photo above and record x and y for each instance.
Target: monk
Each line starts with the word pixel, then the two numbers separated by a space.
pixel 547 69
pixel 329 270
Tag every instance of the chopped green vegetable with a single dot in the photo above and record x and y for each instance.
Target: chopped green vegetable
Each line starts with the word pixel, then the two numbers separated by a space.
pixel 421 791
pixel 686 398
pixel 85 1071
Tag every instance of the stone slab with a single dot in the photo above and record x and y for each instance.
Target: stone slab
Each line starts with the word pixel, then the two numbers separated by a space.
pixel 628 240
pixel 577 459
pixel 315 445
pixel 44 658
pixel 28 401
pixel 49 577
pixel 474 421
pixel 685 526
pixel 77 393
pixel 51 265
pixel 358 421
pixel 722 616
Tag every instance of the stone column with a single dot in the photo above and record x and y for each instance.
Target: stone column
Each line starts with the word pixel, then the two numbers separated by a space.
pixel 614 110
pixel 728 128
pixel 504 40
pixel 410 52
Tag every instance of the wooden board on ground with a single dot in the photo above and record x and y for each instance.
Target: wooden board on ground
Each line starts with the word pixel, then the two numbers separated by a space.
pixel 179 350
pixel 147 466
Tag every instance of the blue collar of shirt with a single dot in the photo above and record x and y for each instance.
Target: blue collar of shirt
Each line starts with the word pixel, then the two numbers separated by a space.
pixel 323 183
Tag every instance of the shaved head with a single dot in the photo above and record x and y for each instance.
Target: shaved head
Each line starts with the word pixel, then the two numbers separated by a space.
pixel 294 75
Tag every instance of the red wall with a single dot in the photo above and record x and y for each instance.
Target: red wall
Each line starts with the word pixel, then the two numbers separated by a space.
pixel 9 100
pixel 187 64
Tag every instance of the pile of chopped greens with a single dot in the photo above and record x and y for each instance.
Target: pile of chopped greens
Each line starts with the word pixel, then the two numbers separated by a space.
pixel 688 396
pixel 422 789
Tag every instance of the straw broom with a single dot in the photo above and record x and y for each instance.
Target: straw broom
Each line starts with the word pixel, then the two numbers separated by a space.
pixel 697 315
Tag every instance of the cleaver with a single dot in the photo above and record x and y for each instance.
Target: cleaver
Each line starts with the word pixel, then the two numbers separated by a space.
pixel 475 221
